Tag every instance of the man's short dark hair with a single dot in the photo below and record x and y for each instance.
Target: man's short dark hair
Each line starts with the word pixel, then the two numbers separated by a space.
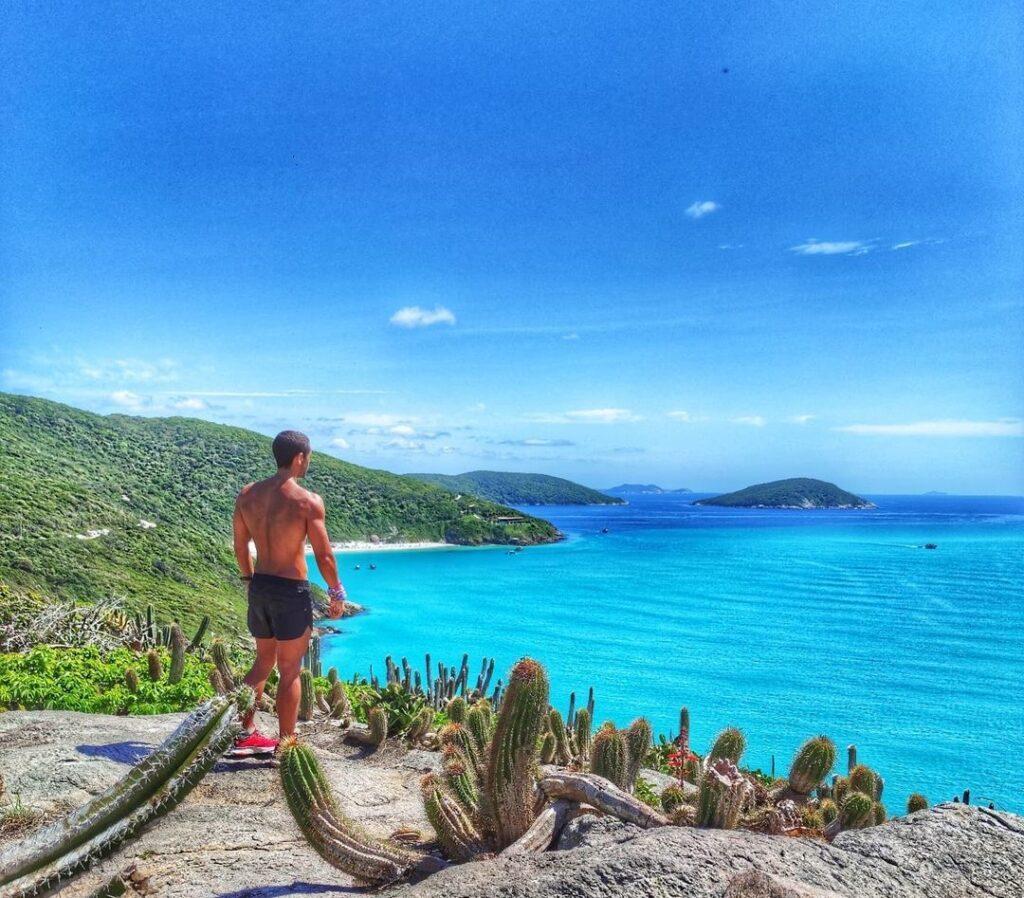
pixel 288 444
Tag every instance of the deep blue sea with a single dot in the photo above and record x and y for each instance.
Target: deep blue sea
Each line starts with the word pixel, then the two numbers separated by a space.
pixel 784 623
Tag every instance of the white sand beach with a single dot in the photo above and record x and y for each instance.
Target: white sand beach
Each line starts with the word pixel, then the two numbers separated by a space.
pixel 367 546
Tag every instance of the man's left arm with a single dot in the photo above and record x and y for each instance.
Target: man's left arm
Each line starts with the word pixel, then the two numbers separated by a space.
pixel 241 539
pixel 320 542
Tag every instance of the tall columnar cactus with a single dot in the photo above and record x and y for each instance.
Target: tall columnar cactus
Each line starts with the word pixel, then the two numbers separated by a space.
pixel 479 723
pixel 339 840
pixel 456 710
pixel 222 660
pixel 812 764
pixel 879 814
pixel 563 754
pixel 461 779
pixel 513 755
pixel 455 830
pixel 840 788
pixel 200 634
pixel 332 675
pixel 216 683
pixel 178 646
pixel 307 695
pixel 722 792
pixel 857 811
pixel 460 738
pixel 131 680
pixel 548 748
pixel 851 758
pixel 114 817
pixel 581 732
pixel 156 668
pixel 608 756
pixel 377 722
pixel 916 802
pixel 638 742
pixel 863 779
pixel 684 730
pixel 730 744
pixel 421 725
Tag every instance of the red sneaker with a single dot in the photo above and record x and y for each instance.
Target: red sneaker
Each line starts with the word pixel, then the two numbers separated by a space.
pixel 254 743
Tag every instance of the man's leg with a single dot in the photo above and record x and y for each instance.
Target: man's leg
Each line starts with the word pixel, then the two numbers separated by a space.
pixel 289 664
pixel 266 656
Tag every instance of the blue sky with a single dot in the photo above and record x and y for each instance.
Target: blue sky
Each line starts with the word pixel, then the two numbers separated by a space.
pixel 704 245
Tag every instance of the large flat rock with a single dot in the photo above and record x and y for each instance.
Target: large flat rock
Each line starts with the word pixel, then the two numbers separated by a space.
pixel 234 836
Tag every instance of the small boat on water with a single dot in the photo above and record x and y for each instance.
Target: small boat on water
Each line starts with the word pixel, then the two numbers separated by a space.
pixel 373 567
pixel 931 545
pixel 357 567
pixel 604 529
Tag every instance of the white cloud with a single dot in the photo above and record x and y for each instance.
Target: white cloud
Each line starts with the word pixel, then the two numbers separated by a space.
pixel 376 419
pixel 534 441
pixel 749 420
pixel 403 443
pixel 403 430
pixel 341 443
pixel 571 336
pixel 1005 427
pixel 906 244
pixel 414 316
pixel 586 416
pixel 137 370
pixel 800 419
pixel 680 416
pixel 700 208
pixel 814 247
pixel 192 403
pixel 127 399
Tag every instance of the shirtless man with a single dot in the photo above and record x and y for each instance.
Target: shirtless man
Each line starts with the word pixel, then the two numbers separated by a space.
pixel 279 516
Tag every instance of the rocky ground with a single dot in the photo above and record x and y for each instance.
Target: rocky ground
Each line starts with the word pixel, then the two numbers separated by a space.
pixel 234 837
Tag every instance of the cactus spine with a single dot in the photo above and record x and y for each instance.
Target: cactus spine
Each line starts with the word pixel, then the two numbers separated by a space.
pixel 307 698
pixel 178 646
pixel 730 745
pixel 812 764
pixel 156 669
pixel 510 769
pixel 721 795
pixel 638 741
pixel 916 802
pixel 151 788
pixel 338 840
pixel 608 756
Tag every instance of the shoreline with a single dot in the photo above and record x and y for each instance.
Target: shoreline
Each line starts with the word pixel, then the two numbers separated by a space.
pixel 357 545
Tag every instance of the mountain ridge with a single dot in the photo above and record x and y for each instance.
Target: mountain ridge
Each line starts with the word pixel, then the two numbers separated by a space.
pixel 793 492
pixel 516 488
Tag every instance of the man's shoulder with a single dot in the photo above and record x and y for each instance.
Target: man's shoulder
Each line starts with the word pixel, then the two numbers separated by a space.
pixel 245 490
pixel 314 500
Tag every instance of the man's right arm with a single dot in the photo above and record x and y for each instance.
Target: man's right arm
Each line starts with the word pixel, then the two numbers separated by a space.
pixel 241 538
pixel 320 542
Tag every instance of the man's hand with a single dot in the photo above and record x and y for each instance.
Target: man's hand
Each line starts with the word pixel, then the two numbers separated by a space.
pixel 336 608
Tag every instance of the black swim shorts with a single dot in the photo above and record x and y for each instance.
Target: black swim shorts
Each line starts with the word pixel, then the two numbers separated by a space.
pixel 279 607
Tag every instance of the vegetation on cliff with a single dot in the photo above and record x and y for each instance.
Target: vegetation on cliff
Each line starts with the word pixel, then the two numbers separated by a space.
pixel 140 508
pixel 511 488
pixel 796 492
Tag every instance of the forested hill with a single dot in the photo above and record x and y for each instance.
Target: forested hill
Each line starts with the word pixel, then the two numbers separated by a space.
pixel 140 508
pixel 519 489
pixel 797 492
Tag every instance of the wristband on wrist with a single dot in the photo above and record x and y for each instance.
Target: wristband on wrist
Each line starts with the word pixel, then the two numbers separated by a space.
pixel 337 593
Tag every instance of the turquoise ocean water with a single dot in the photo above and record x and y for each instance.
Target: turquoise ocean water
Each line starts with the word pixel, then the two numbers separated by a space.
pixel 784 623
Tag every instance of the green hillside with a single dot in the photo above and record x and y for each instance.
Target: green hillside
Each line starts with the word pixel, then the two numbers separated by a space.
pixel 518 489
pixel 79 493
pixel 797 492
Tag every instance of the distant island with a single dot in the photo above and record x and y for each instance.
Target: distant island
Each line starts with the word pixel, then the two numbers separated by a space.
pixel 510 488
pixel 642 489
pixel 797 492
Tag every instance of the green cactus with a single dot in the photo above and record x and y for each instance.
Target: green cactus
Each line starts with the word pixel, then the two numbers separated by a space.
pixel 563 753
pixel 857 811
pixel 828 809
pixel 863 779
pixel 340 841
pixel 684 730
pixel 581 732
pixel 178 646
pixel 460 779
pixel 721 794
pixel 880 815
pixel 200 635
pixel 812 764
pixel 811 818
pixel 478 722
pixel 457 735
pixel 332 675
pixel 216 683
pixel 879 786
pixel 456 710
pixel 131 680
pixel 307 695
pixel 222 660
pixel 638 742
pixel 730 744
pixel 547 749
pixel 337 701
pixel 421 725
pixel 840 788
pixel 455 831
pixel 156 668
pixel 512 759
pixel 608 756
pixel 916 802
pixel 107 822
pixel 377 721
pixel 671 798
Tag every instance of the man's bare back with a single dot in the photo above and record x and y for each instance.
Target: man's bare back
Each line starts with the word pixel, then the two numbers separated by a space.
pixel 277 513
